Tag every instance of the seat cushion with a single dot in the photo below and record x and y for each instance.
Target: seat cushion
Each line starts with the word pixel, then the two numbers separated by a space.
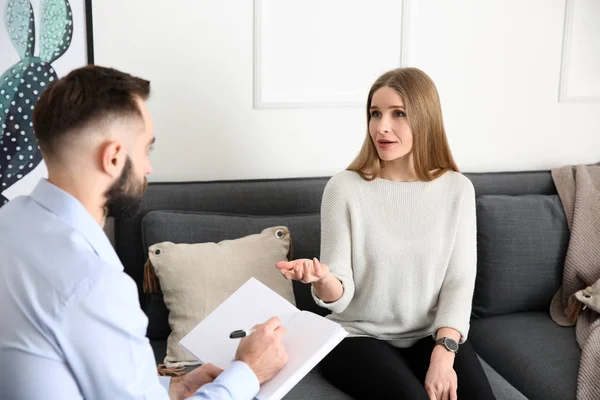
pixel 521 247
pixel 502 389
pixel 315 387
pixel 538 357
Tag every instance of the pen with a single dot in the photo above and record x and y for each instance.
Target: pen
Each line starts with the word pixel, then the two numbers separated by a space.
pixel 241 333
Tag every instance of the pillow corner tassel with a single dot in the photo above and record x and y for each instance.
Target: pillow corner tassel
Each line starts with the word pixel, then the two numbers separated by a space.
pixel 575 309
pixel 151 284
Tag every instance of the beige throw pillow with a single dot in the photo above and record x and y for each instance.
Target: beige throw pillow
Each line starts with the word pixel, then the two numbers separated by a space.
pixel 196 278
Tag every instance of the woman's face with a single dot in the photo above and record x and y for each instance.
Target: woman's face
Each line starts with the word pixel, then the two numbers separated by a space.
pixel 388 126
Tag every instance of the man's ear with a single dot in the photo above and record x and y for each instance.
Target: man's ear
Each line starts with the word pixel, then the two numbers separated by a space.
pixel 112 158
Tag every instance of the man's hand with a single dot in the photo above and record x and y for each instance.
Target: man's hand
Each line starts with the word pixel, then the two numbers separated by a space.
pixel 263 351
pixel 185 386
pixel 441 381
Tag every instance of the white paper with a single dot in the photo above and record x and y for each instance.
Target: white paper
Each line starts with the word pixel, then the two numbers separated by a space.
pixel 253 303
pixel 309 337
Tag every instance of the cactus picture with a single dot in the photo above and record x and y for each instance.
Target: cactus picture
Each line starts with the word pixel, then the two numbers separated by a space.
pixel 39 42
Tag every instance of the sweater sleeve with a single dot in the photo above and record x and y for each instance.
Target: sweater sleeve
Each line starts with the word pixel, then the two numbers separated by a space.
pixel 456 295
pixel 336 242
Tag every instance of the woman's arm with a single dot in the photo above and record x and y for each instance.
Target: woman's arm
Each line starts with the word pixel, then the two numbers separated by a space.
pixel 335 292
pixel 456 294
pixel 332 281
pixel 454 302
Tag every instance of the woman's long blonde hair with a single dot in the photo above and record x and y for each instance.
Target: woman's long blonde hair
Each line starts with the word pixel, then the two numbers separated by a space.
pixel 431 151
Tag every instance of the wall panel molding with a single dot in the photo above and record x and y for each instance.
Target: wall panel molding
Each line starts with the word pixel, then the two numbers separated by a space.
pixel 580 60
pixel 265 97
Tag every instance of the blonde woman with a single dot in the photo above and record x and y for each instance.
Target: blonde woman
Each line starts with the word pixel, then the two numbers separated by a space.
pixel 399 255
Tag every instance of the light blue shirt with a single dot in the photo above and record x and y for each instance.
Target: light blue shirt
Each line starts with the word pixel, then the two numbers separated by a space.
pixel 71 325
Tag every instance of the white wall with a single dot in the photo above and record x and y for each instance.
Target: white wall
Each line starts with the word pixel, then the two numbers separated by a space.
pixel 497 65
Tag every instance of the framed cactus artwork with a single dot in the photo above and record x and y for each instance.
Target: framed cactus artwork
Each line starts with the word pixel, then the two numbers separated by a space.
pixel 40 41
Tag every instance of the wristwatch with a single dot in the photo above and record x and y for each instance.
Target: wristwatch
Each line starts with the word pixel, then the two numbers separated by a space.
pixel 449 343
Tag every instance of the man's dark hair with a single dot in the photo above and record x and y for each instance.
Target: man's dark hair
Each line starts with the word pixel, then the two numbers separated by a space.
pixel 86 95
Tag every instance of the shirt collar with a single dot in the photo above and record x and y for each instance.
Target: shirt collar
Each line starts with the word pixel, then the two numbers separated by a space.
pixel 70 210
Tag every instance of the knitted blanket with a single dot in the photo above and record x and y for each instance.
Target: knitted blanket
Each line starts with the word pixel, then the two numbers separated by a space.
pixel 579 191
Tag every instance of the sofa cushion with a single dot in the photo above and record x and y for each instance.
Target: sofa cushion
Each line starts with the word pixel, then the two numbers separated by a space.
pixel 315 387
pixel 521 247
pixel 195 278
pixel 538 357
pixel 180 227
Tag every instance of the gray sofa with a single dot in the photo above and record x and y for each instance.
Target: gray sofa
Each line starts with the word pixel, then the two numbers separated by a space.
pixel 522 240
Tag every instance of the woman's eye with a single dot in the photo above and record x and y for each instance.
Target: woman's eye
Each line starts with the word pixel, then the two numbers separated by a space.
pixel 375 114
pixel 399 114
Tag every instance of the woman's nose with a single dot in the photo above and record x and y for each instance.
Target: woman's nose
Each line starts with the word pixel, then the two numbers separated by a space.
pixel 384 125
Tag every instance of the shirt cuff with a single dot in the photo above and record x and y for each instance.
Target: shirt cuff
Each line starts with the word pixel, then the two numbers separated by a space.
pixel 451 321
pixel 335 306
pixel 240 380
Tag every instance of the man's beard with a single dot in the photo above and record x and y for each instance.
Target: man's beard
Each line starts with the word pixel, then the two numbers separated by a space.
pixel 124 196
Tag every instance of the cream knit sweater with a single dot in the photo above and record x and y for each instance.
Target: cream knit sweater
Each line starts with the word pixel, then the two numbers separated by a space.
pixel 405 253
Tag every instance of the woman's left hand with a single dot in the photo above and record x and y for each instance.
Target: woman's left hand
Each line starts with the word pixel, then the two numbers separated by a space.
pixel 441 381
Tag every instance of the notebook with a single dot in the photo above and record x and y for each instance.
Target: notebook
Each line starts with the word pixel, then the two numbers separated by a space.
pixel 309 337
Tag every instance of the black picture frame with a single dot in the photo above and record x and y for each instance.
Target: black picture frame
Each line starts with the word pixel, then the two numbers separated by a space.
pixel 89 24
pixel 18 158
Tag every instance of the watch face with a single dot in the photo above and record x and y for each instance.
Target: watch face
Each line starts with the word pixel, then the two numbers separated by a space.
pixel 452 345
